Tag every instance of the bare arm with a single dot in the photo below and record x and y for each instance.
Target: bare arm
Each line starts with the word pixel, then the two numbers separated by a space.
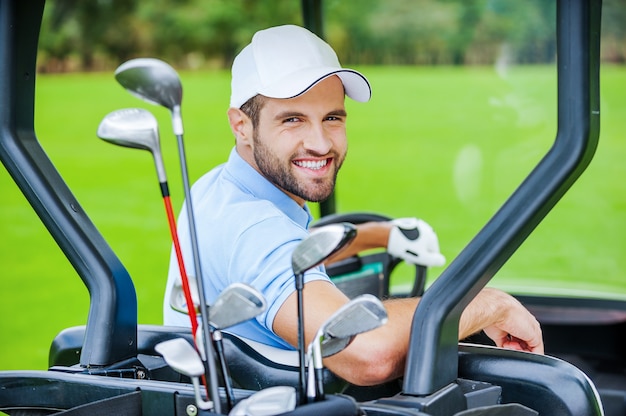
pixel 379 355
pixel 372 357
pixel 410 239
pixel 369 235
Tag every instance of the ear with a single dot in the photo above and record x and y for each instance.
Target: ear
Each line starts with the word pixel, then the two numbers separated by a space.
pixel 241 125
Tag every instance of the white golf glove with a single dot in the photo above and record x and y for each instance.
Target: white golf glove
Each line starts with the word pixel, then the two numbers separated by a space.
pixel 414 241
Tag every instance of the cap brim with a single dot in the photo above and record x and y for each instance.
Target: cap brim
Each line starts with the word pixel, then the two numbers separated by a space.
pixel 355 84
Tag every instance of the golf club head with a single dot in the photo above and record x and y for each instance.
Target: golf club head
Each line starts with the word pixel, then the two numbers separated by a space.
pixel 236 304
pixel 152 80
pixel 135 128
pixel 322 243
pixel 331 346
pixel 177 296
pixel 181 356
pixel 361 314
pixel 269 401
pixel 156 82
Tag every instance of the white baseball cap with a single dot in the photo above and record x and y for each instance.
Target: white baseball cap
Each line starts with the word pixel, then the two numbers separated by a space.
pixel 284 62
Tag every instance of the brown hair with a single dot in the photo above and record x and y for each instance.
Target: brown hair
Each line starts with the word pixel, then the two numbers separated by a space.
pixel 252 108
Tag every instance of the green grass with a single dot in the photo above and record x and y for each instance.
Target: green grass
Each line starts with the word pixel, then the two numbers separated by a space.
pixel 445 144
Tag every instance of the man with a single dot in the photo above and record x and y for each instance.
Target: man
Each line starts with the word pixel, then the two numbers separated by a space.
pixel 289 120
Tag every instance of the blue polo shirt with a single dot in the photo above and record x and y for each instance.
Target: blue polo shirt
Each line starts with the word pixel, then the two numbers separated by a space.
pixel 247 230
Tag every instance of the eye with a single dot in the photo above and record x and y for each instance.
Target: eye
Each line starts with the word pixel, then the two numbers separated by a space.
pixel 338 116
pixel 334 118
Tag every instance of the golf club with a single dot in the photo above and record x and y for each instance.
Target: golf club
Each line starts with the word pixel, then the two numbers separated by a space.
pixel 138 129
pixel 363 313
pixel 182 357
pixel 158 83
pixel 236 304
pixel 270 401
pixel 322 243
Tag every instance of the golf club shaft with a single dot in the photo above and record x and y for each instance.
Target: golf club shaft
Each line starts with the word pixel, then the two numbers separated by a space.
pixel 179 256
pixel 181 265
pixel 299 289
pixel 317 367
pixel 319 380
pixel 311 394
pixel 208 345
pixel 219 349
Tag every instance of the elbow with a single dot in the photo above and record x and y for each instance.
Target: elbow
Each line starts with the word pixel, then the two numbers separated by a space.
pixel 370 366
pixel 376 372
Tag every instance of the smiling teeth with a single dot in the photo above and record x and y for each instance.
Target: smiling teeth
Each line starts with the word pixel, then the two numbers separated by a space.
pixel 309 164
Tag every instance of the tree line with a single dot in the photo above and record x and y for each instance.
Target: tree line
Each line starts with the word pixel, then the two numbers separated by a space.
pixel 79 35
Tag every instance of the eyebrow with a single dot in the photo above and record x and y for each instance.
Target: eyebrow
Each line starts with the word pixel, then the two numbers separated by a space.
pixel 286 114
pixel 339 112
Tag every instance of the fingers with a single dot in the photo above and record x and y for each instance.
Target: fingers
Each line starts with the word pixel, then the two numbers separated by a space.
pixel 520 345
pixel 505 320
pixel 508 341
pixel 522 329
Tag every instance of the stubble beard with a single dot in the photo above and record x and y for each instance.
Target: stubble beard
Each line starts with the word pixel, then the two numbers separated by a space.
pixel 281 174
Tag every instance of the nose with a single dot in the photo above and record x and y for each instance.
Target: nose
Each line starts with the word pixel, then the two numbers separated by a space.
pixel 318 140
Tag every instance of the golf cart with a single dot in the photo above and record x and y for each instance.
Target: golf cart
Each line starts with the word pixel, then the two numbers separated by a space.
pixel 115 366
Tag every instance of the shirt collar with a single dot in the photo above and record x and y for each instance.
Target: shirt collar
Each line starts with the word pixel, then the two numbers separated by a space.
pixel 257 185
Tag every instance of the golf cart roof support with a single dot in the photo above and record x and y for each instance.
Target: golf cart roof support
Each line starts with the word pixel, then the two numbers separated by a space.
pixel 111 333
pixel 312 16
pixel 432 362
pixel 313 19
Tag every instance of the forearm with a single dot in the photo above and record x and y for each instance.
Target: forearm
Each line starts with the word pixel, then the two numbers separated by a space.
pixel 479 314
pixel 370 235
pixel 379 355
pixel 409 239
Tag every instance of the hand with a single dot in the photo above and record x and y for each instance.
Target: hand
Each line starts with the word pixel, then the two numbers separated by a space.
pixel 504 319
pixel 414 241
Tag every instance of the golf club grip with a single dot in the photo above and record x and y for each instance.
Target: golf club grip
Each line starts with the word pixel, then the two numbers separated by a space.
pixel 181 265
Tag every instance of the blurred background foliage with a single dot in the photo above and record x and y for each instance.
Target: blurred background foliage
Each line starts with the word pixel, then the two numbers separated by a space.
pixel 98 35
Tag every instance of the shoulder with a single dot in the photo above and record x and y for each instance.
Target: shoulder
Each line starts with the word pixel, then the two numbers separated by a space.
pixel 267 228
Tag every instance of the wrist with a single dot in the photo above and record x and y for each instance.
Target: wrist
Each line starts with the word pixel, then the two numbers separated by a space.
pixel 488 308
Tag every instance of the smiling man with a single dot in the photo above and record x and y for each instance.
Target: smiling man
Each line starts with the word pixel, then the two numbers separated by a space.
pixel 300 143
pixel 288 117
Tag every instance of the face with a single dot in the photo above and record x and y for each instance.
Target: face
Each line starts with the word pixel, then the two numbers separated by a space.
pixel 300 143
